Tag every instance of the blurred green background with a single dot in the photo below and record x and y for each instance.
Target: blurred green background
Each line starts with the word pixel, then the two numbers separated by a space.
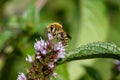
pixel 87 21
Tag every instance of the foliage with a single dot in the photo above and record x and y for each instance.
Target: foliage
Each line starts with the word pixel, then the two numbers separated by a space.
pixel 93 50
pixel 87 21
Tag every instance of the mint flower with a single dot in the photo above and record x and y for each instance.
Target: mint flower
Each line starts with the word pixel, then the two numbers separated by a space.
pixel 51 64
pixel 21 76
pixel 38 57
pixel 50 37
pixel 45 60
pixel 61 55
pixel 60 49
pixel 54 74
pixel 29 59
pixel 41 47
pixel 117 62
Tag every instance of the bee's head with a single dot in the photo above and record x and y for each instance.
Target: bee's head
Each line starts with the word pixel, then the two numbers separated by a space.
pixel 54 26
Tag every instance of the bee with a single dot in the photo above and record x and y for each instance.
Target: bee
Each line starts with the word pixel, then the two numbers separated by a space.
pixel 57 31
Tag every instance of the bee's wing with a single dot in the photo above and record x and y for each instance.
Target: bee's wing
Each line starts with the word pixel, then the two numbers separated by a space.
pixel 69 36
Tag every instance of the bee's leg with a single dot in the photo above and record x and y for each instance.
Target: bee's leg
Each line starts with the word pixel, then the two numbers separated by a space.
pixel 64 42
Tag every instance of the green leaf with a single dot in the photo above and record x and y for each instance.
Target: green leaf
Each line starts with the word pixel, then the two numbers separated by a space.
pixel 4 37
pixel 93 73
pixel 93 50
pixel 93 22
pixel 92 26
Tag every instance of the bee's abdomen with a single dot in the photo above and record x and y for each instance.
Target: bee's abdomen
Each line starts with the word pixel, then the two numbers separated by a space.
pixel 64 38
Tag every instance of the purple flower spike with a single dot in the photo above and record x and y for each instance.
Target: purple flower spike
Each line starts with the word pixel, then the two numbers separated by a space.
pixel 61 50
pixel 45 59
pixel 38 57
pixel 21 76
pixel 41 46
pixel 54 74
pixel 61 55
pixel 51 64
pixel 29 59
pixel 50 36
pixel 117 62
